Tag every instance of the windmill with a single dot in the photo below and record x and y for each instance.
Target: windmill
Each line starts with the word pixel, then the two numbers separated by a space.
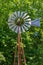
pixel 20 22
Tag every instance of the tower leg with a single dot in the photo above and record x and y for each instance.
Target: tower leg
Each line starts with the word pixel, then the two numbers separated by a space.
pixel 14 58
pixel 24 56
pixel 19 52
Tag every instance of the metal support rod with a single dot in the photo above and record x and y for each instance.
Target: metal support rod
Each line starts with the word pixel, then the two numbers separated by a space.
pixel 14 58
pixel 24 56
pixel 19 52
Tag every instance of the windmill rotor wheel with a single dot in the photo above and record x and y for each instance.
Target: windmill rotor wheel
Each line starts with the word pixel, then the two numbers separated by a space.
pixel 19 19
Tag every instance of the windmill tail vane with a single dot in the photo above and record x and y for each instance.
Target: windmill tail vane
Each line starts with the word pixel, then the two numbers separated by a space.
pixel 35 22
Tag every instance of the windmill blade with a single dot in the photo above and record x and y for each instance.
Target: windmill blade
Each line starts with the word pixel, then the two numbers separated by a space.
pixel 22 28
pixel 10 24
pixel 24 15
pixel 28 19
pixel 25 27
pixel 15 14
pixel 18 13
pixel 12 16
pixel 27 23
pixel 9 21
pixel 35 23
pixel 13 28
pixel 16 29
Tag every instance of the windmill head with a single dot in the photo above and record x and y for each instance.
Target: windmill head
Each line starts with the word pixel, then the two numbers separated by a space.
pixel 22 21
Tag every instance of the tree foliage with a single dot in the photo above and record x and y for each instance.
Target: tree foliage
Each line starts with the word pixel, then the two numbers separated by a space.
pixel 32 39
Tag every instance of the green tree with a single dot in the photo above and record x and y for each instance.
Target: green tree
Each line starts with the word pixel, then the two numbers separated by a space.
pixel 32 39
